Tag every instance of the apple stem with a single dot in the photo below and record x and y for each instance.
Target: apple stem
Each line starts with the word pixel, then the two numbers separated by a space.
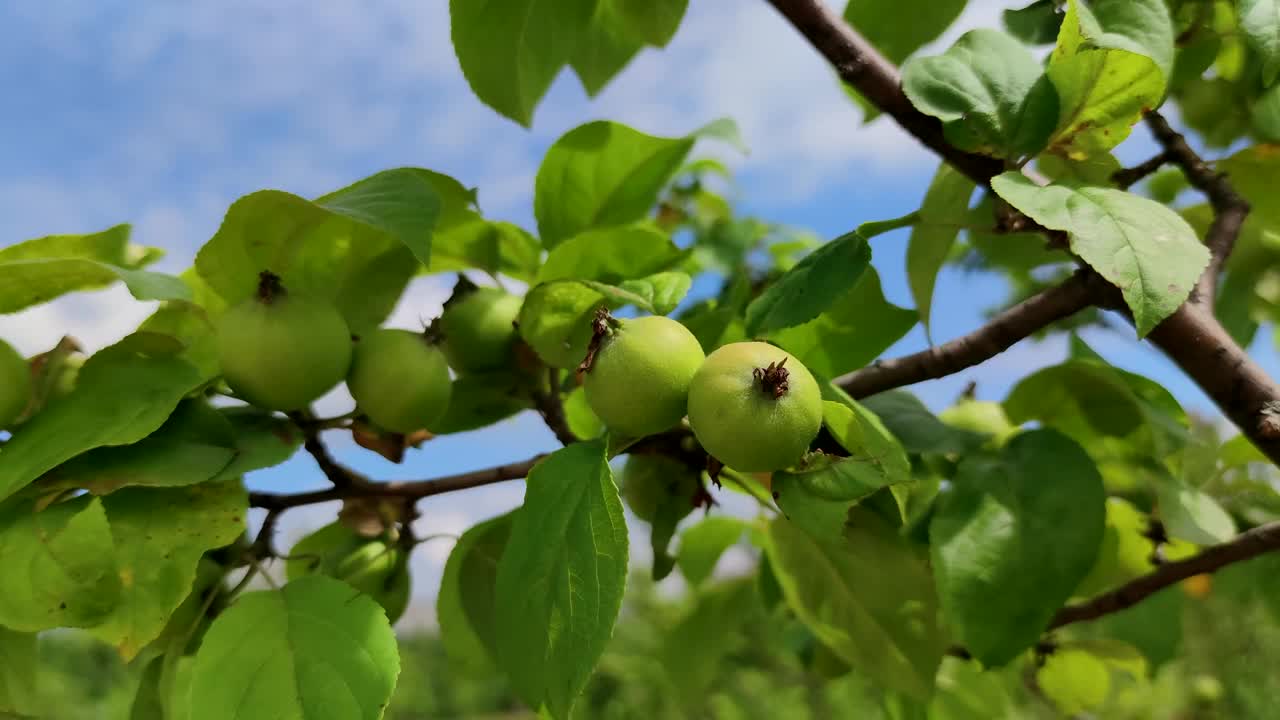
pixel 773 379
pixel 269 287
pixel 601 326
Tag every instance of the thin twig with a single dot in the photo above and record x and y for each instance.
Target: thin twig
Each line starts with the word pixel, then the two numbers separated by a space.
pixel 550 406
pixel 1127 177
pixel 338 474
pixel 1246 545
pixel 1018 322
pixel 860 65
pixel 413 489
pixel 1230 209
pixel 1194 339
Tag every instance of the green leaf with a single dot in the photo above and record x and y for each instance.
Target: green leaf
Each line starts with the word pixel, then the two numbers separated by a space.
pixel 619 29
pixel 812 286
pixel 148 702
pixel 39 270
pixel 1144 27
pixel 1035 24
pixel 573 585
pixel 1137 244
pixel 1082 676
pixel 402 202
pixel 18 663
pixel 1101 94
pixel 189 323
pixel 919 430
pixel 315 648
pixel 886 629
pixel 602 174
pixel 193 445
pixel 511 50
pixel 653 21
pixel 1266 115
pixel 467 597
pixel 702 544
pixel 661 292
pixel 555 320
pixel 851 333
pixel 262 440
pixel 357 247
pixel 123 393
pixel 944 210
pixel 1153 626
pixel 695 648
pixel 1125 552
pixel 880 21
pixel 1191 514
pixel 478 400
pixel 989 91
pixel 610 255
pixel 1106 77
pixel 160 534
pixel 819 496
pixel 1260 22
pixel 492 246
pixel 1013 538
pixel 60 565
pixel 1253 171
pixel 967 692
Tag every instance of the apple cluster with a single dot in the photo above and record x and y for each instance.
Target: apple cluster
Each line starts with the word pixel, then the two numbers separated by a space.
pixel 282 351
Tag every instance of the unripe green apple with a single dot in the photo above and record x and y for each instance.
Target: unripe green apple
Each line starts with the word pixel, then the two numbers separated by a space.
pixel 15 384
pixel 754 407
pixel 281 351
pixel 373 566
pixel 638 381
pixel 648 481
pixel 980 416
pixel 400 379
pixel 479 330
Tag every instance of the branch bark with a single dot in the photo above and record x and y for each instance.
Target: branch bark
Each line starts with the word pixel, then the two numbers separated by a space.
pixel 1192 336
pixel 859 64
pixel 1248 544
pixel 1127 177
pixel 1004 330
pixel 550 405
pixel 338 474
pixel 1230 209
pixel 413 490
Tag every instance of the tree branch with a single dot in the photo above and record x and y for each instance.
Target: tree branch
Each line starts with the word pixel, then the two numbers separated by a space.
pixel 1018 322
pixel 860 65
pixel 413 490
pixel 1192 337
pixel 1127 177
pixel 1230 209
pixel 1199 345
pixel 1248 544
pixel 550 406
pixel 339 475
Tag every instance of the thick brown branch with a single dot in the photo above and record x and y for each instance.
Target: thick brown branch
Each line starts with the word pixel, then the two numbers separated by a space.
pixel 1127 177
pixel 1245 393
pixel 339 475
pixel 1005 329
pixel 1230 209
pixel 1192 337
pixel 413 490
pixel 860 65
pixel 1251 543
pixel 550 406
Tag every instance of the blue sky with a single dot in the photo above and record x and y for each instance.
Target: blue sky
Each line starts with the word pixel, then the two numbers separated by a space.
pixel 161 114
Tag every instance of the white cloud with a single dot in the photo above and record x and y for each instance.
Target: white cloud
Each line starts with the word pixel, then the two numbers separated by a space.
pixel 94 319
